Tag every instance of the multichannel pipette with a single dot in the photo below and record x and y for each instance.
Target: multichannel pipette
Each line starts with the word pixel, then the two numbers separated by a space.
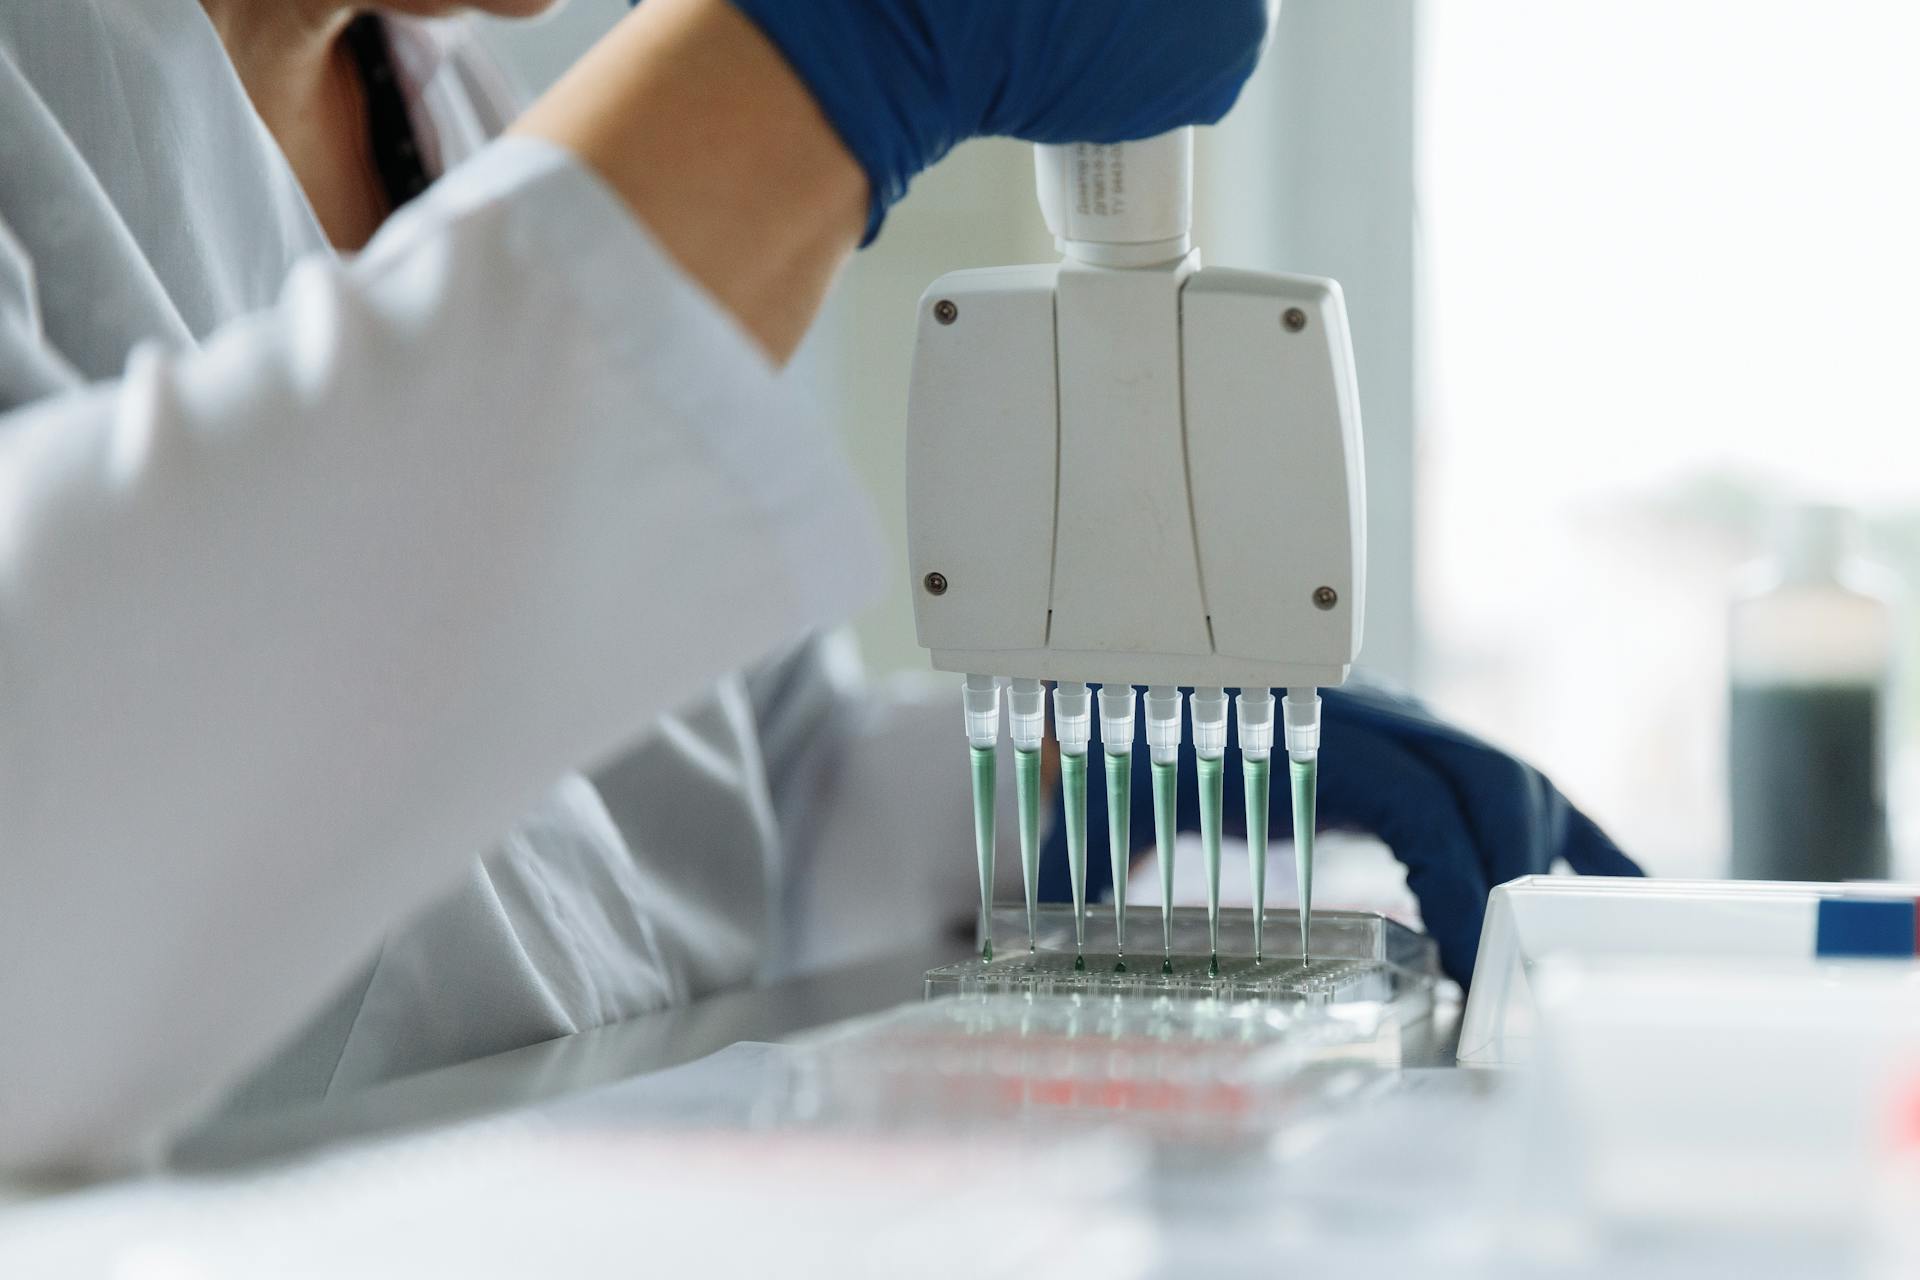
pixel 1300 712
pixel 1125 469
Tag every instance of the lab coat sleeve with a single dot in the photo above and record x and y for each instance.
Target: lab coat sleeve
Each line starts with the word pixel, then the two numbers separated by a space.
pixel 294 624
pixel 873 796
pixel 29 366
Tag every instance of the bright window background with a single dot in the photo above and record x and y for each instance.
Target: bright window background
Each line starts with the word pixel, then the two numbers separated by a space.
pixel 1672 263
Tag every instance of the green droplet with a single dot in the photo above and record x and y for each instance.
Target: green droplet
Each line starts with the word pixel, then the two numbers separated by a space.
pixel 1119 966
pixel 1213 966
pixel 1079 964
pixel 1166 966
pixel 986 951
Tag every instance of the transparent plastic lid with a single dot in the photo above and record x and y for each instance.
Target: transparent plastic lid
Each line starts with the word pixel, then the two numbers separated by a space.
pixel 1190 1069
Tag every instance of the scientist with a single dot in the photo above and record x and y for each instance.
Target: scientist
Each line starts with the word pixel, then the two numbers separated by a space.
pixel 320 570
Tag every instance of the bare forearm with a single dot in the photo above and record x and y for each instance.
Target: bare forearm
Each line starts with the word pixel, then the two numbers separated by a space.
pixel 698 123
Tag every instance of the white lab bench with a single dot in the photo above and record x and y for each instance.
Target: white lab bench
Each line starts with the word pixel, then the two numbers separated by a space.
pixel 1423 1176
pixel 275 1174
pixel 571 1064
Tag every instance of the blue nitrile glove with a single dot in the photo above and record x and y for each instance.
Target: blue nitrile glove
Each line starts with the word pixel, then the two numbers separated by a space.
pixel 1462 815
pixel 903 81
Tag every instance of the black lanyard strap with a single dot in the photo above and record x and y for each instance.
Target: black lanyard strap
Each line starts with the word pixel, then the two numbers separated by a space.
pixel 396 151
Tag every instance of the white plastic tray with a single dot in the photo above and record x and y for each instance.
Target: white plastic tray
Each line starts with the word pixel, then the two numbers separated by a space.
pixel 1537 916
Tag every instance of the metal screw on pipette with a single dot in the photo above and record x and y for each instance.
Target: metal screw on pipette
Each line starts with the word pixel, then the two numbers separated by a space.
pixel 936 584
pixel 1325 598
pixel 1295 319
pixel 945 312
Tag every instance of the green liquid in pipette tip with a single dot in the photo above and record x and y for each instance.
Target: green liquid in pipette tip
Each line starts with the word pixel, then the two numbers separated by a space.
pixel 1305 781
pixel 1073 792
pixel 1258 775
pixel 1119 813
pixel 983 813
pixel 1166 829
pixel 1212 786
pixel 1026 776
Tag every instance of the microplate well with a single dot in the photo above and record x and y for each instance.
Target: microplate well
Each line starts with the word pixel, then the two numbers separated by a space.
pixel 1358 957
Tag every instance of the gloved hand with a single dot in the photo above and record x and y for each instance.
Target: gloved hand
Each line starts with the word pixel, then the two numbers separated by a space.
pixel 1462 815
pixel 902 81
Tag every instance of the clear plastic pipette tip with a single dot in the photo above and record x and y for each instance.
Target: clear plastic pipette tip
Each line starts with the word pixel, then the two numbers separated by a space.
pixel 1073 725
pixel 1254 712
pixel 1027 725
pixel 1116 739
pixel 1209 710
pixel 1300 710
pixel 980 701
pixel 1163 745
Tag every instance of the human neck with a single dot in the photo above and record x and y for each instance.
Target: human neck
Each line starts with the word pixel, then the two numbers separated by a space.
pixel 283 49
pixel 290 59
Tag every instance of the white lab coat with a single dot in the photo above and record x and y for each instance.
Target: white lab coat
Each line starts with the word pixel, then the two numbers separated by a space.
pixel 316 575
